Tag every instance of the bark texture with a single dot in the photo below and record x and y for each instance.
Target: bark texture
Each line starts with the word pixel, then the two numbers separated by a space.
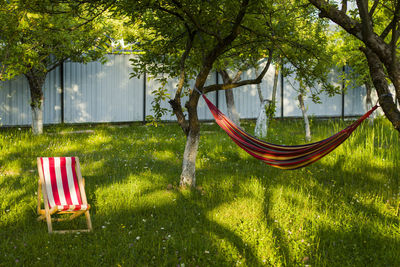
pixel 261 128
pixel 229 98
pixel 274 88
pixel 306 121
pixel 381 85
pixel 188 175
pixel 36 79
pixel 230 103
pixel 368 100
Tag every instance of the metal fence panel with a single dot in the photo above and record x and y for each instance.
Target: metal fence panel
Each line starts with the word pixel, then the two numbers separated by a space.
pixel 102 93
pixel 95 92
pixel 15 100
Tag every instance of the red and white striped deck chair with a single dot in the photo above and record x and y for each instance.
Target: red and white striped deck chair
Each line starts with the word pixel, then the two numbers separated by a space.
pixel 63 188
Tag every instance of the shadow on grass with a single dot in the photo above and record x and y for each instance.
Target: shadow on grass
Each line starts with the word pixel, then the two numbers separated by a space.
pixel 179 230
pixel 360 239
pixel 177 233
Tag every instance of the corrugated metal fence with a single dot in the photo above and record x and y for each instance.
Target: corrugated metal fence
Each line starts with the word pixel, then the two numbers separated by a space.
pixel 86 93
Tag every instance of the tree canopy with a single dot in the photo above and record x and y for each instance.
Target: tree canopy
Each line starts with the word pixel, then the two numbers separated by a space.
pixel 375 26
pixel 40 34
pixel 37 36
pixel 189 39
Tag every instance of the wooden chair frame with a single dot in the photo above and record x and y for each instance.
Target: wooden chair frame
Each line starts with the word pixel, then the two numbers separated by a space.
pixel 45 214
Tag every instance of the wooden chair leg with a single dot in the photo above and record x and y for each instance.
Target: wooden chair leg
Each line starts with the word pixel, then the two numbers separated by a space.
pixel 49 225
pixel 39 196
pixel 88 221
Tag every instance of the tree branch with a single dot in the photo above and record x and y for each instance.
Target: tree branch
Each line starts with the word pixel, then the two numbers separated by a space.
pixel 344 6
pixel 237 76
pixel 393 23
pixel 195 22
pixel 339 17
pixel 219 48
pixel 176 102
pixel 367 28
pixel 373 8
pixel 358 30
pixel 257 80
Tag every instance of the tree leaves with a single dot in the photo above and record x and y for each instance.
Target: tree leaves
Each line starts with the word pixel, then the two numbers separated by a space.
pixel 44 33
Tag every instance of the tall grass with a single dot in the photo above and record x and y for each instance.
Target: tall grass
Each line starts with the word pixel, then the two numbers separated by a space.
pixel 340 211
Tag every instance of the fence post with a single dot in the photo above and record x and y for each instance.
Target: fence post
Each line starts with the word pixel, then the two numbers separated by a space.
pixel 282 94
pixel 343 88
pixel 62 91
pixel 144 97
pixel 217 91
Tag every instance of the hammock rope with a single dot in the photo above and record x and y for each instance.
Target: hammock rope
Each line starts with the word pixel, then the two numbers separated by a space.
pixel 281 156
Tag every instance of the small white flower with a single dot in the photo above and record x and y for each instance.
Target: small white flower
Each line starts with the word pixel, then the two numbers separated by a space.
pixel 138 237
pixel 207 252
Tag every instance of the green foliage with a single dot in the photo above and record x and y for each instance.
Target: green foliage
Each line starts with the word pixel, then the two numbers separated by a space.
pixel 161 94
pixel 41 34
pixel 270 110
pixel 347 48
pixel 289 28
pixel 340 211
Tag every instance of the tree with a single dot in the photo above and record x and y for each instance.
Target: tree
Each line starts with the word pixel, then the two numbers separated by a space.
pixel 41 35
pixel 352 63
pixel 261 128
pixel 188 39
pixel 302 91
pixel 230 100
pixel 376 25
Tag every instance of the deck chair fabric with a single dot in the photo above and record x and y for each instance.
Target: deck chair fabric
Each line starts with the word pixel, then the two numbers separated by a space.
pixel 62 185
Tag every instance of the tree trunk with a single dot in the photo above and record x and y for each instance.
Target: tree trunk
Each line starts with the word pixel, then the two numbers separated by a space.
pixel 37 119
pixel 230 103
pixel 306 122
pixel 188 175
pixel 260 95
pixel 276 76
pixel 378 77
pixel 261 129
pixel 36 79
pixel 263 118
pixel 368 101
pixel 377 52
pixel 230 100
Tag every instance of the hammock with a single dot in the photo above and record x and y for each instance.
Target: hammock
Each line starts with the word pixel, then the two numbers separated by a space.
pixel 281 156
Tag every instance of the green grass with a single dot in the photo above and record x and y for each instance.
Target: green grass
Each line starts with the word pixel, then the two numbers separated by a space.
pixel 340 211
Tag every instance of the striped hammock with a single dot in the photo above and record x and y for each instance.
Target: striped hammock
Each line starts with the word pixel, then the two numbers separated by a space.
pixel 280 156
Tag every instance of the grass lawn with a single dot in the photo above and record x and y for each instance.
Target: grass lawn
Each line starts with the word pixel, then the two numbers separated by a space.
pixel 340 211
